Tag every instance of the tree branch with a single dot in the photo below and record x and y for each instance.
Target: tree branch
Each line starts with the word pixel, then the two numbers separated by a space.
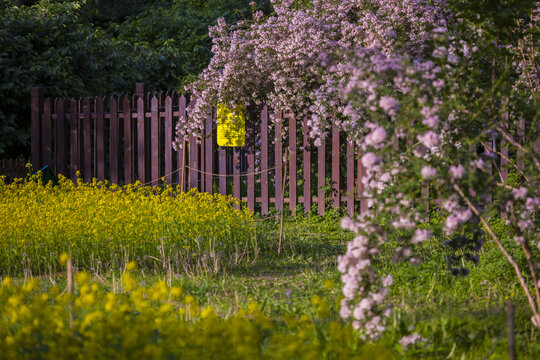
pixel 509 161
pixel 496 240
pixel 512 141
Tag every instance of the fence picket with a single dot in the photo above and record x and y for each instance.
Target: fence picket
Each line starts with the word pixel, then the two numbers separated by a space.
pixel 265 200
pixel 488 152
pixel 87 141
pixel 208 150
pixel 193 162
pixel 182 153
pixel 155 153
pixel 201 166
pixel 336 199
pixel 46 133
pixel 278 156
pixel 350 178
pixel 74 146
pixel 222 159
pixel 100 140
pixel 250 168
pixel 114 142
pixel 307 166
pixel 168 140
pixel 321 176
pixel 141 140
pixel 128 142
pixel 60 138
pixel 36 109
pixel 236 174
pixel 521 140
pixel 292 162
pixel 20 169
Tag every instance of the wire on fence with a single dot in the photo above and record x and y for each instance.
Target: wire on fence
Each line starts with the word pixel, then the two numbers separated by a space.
pixel 214 174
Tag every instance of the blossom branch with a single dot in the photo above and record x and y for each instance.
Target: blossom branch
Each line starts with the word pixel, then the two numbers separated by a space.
pixel 512 141
pixel 508 257
pixel 528 256
pixel 508 160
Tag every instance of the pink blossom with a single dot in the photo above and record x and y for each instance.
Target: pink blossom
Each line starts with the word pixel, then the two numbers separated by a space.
pixel 464 215
pixel 369 160
pixel 431 121
pixel 389 105
pixel 387 280
pixel 531 204
pixel 411 340
pixel 524 224
pixel 457 172
pixel 345 311
pixel 420 235
pixel 428 172
pixel 520 193
pixel 376 136
pixel 429 139
pixel 451 223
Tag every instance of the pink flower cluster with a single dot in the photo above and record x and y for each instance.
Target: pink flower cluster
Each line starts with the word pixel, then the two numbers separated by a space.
pixel 360 302
pixel 350 63
pixel 284 60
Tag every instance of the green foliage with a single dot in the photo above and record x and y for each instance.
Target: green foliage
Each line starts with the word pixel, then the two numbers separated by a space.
pixel 96 47
pixel 179 48
pixel 497 17
pixel 48 45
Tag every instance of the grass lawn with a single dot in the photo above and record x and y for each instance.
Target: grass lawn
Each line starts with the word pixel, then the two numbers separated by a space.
pixel 286 305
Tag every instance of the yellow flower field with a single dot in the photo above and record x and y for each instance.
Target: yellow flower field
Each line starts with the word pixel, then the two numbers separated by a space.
pixel 105 226
pixel 155 322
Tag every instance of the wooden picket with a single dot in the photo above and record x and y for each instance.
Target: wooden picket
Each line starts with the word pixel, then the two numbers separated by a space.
pixel 13 169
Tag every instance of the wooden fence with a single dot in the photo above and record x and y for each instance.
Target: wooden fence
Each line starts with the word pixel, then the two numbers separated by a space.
pixel 123 139
pixel 13 168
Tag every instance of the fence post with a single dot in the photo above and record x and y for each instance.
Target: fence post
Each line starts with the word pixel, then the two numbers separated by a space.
pixel 307 166
pixel 265 197
pixel 36 105
pixel 292 163
pixel 336 196
pixel 155 149
pixel 141 141
pixel 209 180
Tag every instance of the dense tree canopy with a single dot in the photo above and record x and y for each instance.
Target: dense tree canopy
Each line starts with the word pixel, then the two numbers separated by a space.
pixel 97 47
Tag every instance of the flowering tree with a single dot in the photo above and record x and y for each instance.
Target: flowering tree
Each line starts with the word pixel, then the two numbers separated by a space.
pixel 426 97
pixel 285 59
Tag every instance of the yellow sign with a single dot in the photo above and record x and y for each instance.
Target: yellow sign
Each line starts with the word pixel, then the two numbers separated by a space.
pixel 231 127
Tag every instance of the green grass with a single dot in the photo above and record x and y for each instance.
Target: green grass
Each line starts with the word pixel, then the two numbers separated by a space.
pixel 463 317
